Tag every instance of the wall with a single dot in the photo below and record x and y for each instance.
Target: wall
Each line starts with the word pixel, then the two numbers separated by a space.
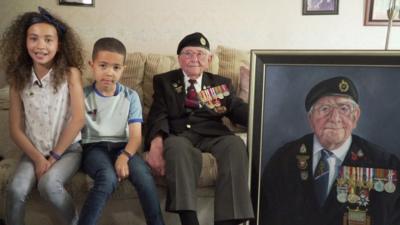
pixel 158 25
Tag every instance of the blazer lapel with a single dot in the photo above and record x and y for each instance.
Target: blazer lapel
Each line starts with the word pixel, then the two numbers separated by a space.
pixel 178 84
pixel 206 81
pixel 307 175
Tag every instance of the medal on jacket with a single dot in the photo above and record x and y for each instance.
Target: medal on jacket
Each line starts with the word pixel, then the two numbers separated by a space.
pixel 390 187
pixel 356 217
pixel 341 185
pixel 302 162
pixel 225 90
pixel 212 96
pixel 379 186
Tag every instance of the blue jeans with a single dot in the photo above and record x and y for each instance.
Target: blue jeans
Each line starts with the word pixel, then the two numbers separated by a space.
pixel 50 186
pixel 98 163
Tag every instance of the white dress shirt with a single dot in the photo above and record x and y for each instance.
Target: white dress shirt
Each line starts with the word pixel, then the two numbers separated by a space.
pixel 335 160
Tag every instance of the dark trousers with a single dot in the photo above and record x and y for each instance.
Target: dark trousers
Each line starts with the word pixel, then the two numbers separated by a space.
pixel 183 166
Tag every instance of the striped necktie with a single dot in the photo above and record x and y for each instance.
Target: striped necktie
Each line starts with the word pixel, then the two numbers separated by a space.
pixel 321 177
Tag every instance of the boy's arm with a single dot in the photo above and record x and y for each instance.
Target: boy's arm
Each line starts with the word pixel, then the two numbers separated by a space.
pixel 134 141
pixel 77 120
pixel 135 138
pixel 19 137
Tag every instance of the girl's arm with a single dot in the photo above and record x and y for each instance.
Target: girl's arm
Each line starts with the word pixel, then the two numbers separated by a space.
pixel 17 133
pixel 135 140
pixel 77 120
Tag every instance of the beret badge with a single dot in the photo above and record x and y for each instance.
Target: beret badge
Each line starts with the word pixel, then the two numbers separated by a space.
pixel 203 41
pixel 343 86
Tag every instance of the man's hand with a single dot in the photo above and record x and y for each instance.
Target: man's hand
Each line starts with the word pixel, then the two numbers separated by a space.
pixel 155 157
pixel 121 167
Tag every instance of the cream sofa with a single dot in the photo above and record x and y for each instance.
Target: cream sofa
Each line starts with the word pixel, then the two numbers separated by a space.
pixel 124 207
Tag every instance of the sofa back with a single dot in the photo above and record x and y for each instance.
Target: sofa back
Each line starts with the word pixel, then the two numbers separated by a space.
pixel 139 72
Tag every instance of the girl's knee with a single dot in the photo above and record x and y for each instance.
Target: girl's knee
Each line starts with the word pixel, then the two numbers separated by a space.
pixel 17 190
pixel 48 185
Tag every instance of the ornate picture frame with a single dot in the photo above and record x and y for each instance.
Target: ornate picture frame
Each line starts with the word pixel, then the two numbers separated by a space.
pixel 280 81
pixel 320 7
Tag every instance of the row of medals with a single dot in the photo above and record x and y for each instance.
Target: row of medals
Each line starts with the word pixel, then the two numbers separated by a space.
pixel 211 97
pixel 355 183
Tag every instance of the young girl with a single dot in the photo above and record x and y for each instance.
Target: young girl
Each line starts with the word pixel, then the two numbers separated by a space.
pixel 42 59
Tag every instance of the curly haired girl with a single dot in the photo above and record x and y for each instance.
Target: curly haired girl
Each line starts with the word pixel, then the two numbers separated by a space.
pixel 43 61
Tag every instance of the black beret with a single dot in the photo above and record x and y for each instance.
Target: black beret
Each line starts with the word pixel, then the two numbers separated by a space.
pixel 332 86
pixel 195 40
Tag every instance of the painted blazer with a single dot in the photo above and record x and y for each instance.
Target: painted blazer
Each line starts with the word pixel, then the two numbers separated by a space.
pixel 288 199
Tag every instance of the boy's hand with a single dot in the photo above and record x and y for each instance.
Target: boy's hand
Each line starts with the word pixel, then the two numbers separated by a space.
pixel 155 157
pixel 121 167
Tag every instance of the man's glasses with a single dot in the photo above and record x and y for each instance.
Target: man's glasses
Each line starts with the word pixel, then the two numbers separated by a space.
pixel 200 55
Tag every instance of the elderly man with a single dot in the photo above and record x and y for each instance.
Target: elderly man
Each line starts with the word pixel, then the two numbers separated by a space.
pixel 184 121
pixel 331 177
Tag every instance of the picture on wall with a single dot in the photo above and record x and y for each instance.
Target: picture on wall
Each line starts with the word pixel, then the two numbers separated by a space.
pixel 320 7
pixel 77 2
pixel 376 13
pixel 304 101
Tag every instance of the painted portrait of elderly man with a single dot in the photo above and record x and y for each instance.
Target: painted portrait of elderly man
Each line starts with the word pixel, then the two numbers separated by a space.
pixel 328 141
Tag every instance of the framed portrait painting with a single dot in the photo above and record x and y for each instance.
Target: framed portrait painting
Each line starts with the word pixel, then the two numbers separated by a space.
pixel 320 7
pixel 281 178
pixel 376 13
pixel 77 2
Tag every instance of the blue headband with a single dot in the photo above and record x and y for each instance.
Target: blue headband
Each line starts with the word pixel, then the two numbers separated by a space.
pixel 45 16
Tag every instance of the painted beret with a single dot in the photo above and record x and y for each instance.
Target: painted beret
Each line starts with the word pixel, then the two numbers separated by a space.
pixel 333 86
pixel 195 40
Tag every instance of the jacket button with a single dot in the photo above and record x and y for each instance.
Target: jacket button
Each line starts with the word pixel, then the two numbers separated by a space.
pixel 188 126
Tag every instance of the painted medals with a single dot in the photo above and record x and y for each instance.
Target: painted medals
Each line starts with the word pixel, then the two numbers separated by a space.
pixel 302 162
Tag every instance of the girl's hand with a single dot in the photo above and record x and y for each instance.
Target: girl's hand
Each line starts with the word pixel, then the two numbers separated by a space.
pixel 41 167
pixel 121 167
pixel 51 161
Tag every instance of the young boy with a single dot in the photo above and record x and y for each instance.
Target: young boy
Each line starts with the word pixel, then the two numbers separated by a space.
pixel 112 136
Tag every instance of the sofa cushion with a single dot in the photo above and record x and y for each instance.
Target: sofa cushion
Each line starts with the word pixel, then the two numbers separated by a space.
pixel 155 64
pixel 7 148
pixel 4 98
pixel 7 166
pixel 134 71
pixel 244 83
pixel 230 60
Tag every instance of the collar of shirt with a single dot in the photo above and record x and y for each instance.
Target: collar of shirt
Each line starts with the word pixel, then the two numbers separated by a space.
pixel 118 89
pixel 340 153
pixel 44 81
pixel 197 86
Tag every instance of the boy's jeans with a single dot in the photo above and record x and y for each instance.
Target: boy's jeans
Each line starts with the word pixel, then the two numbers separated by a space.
pixel 98 163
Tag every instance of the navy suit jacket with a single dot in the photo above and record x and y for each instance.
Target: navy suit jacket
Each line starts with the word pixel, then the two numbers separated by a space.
pixel 168 114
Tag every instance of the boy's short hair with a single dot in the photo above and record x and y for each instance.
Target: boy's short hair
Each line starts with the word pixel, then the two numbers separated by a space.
pixel 109 44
